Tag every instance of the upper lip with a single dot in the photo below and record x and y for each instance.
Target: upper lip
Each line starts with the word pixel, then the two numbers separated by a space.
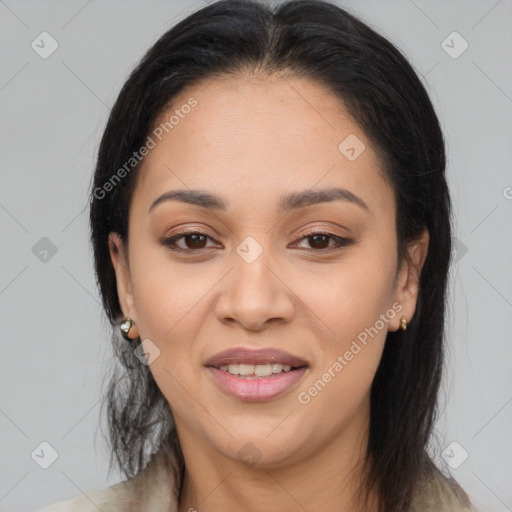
pixel 248 356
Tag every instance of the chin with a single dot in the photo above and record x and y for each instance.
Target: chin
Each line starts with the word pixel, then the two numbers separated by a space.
pixel 262 451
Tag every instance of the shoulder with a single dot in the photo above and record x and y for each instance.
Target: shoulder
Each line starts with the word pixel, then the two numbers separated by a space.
pixel 155 488
pixel 116 498
pixel 439 493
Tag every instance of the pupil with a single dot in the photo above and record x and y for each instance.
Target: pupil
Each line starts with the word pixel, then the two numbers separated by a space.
pixel 324 237
pixel 196 239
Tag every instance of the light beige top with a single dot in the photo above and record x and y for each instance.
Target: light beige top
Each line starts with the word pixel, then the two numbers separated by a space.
pixel 152 490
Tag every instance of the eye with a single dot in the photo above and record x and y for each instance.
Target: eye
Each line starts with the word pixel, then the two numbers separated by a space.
pixel 319 241
pixel 195 241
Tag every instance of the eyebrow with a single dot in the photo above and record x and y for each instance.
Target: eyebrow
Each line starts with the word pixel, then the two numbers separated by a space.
pixel 292 201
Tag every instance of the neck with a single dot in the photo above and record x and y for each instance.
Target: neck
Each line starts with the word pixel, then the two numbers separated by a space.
pixel 326 479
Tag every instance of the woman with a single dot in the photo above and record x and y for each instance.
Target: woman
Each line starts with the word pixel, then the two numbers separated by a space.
pixel 271 229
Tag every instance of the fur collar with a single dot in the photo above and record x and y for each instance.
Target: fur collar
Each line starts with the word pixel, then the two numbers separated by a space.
pixel 155 489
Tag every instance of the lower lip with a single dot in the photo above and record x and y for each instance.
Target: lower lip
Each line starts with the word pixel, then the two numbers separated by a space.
pixel 257 389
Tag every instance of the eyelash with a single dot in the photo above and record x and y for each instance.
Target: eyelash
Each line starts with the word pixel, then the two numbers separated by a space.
pixel 340 242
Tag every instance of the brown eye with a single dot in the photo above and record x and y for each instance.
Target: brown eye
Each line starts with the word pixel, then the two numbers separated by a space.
pixel 193 241
pixel 197 241
pixel 319 241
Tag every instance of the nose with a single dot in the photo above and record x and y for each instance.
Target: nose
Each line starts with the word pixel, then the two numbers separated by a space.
pixel 255 295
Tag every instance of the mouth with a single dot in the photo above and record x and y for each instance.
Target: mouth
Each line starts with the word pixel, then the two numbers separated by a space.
pixel 256 375
pixel 260 363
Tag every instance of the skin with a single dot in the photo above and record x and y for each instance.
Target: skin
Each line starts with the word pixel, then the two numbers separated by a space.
pixel 250 139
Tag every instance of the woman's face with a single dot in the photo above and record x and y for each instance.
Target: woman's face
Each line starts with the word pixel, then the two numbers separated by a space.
pixel 256 280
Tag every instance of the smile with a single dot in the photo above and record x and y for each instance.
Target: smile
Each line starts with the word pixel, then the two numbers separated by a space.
pixel 256 370
pixel 256 375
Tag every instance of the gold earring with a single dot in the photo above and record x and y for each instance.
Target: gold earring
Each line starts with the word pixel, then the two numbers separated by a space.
pixel 125 327
pixel 403 323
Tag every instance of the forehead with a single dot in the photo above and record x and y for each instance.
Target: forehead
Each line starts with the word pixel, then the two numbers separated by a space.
pixel 256 136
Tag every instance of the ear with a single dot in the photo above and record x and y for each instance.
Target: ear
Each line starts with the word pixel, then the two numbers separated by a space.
pixel 408 280
pixel 119 257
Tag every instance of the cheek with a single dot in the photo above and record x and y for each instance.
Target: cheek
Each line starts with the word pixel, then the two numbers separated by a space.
pixel 170 303
pixel 353 302
pixel 352 294
pixel 166 295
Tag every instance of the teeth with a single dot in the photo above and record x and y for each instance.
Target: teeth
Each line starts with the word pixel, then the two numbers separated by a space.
pixel 258 370
pixel 262 370
pixel 245 369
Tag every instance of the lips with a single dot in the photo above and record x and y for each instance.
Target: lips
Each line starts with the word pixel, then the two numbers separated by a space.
pixel 256 375
pixel 245 356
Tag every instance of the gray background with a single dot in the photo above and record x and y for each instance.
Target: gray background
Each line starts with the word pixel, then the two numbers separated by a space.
pixel 54 337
